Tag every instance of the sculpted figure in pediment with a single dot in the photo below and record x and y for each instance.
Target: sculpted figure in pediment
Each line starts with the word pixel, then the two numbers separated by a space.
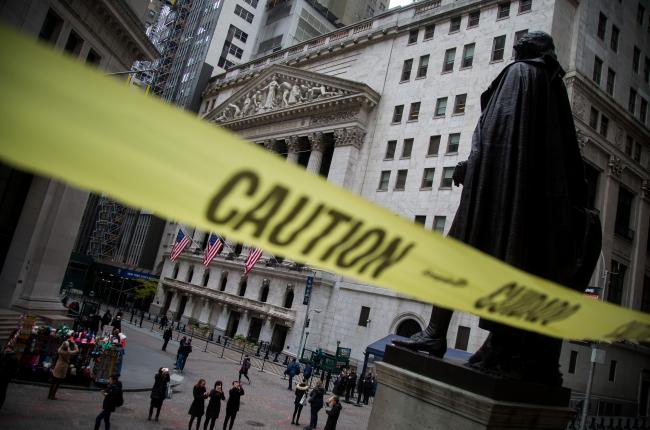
pixel 271 93
pixel 248 106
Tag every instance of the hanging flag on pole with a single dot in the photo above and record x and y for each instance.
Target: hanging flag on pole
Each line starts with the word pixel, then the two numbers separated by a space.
pixel 215 245
pixel 253 255
pixel 181 243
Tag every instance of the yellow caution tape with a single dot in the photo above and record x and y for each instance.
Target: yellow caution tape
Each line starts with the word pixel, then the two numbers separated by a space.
pixel 62 119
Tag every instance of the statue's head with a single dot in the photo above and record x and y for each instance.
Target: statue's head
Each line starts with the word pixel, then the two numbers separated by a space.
pixel 534 44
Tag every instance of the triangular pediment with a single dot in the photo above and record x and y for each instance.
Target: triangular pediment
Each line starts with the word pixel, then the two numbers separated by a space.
pixel 285 90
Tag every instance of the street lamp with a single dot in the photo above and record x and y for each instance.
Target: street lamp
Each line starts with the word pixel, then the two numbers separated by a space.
pixel 301 347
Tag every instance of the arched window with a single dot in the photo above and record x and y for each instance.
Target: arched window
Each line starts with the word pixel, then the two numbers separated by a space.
pixel 204 243
pixel 288 297
pixel 264 292
pixel 223 281
pixel 243 283
pixel 190 273
pixel 175 271
pixel 408 327
pixel 206 278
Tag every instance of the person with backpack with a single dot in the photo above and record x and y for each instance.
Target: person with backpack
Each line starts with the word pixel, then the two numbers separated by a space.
pixel 246 364
pixel 293 370
pixel 159 391
pixel 167 335
pixel 315 403
pixel 306 373
pixel 113 399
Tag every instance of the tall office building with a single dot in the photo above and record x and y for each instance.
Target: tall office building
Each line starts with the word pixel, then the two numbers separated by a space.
pixel 348 12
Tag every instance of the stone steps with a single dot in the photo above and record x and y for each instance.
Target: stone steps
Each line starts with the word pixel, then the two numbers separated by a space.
pixel 8 322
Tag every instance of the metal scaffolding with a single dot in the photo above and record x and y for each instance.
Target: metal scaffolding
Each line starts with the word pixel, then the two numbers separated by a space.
pixel 105 237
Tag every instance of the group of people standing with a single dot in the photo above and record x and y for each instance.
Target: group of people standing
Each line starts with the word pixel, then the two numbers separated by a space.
pixel 347 382
pixel 215 396
pixel 315 399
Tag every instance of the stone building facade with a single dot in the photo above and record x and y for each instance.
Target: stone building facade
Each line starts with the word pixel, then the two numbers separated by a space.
pixel 387 107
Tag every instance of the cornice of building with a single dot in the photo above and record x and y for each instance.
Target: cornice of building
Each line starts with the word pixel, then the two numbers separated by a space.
pixel 132 27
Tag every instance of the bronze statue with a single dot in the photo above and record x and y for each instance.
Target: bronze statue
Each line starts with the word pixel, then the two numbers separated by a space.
pixel 524 201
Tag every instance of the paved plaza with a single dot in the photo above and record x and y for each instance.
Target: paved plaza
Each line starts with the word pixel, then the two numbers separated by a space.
pixel 266 404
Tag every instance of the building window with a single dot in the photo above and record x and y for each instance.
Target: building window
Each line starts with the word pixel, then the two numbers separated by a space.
pixel 468 55
pixel 288 297
pixel 573 359
pixel 613 41
pixel 390 149
pixel 643 110
pixel 448 64
pixel 519 35
pixel 428 31
pixel 406 70
pixel 397 113
pixel 434 146
pixel 93 58
pixel 407 148
pixel 473 19
pixel 646 70
pixel 190 274
pixel 604 126
pixel 598 67
pixel 631 104
pixel 175 271
pixel 498 46
pixel 243 283
pixel 413 36
pixel 73 44
pixel 639 14
pixel 383 180
pixel 206 278
pixel 637 152
pixel 602 26
pixel 364 316
pixel 439 223
pixel 243 13
pixel 441 106
pixel 624 213
pixel 414 111
pixel 525 5
pixel 223 281
pixel 636 58
pixel 453 143
pixel 612 371
pixel 611 80
pixel 504 10
pixel 593 118
pixel 51 27
pixel 616 281
pixel 427 178
pixel 252 3
pixel 420 219
pixel 454 24
pixel 264 292
pixel 645 297
pixel 447 175
pixel 400 183
pixel 423 66
pixel 462 338
pixel 237 34
pixel 592 176
pixel 232 49
pixel 629 143
pixel 459 104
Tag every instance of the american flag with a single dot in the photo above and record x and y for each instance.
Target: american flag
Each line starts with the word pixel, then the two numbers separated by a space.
pixel 215 245
pixel 181 243
pixel 253 256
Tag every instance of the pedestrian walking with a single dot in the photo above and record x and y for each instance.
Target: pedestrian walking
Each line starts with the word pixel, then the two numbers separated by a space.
pixel 106 318
pixel 214 405
pixel 350 383
pixel 180 353
pixel 113 399
pixel 293 369
pixel 315 403
pixel 167 335
pixel 163 321
pixel 232 406
pixel 299 402
pixel 65 353
pixel 159 391
pixel 362 379
pixel 333 411
pixel 368 385
pixel 243 370
pixel 188 351
pixel 197 409
pixel 8 367
pixel 306 373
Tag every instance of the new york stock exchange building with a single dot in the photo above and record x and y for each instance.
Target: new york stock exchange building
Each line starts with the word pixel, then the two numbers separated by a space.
pixel 385 108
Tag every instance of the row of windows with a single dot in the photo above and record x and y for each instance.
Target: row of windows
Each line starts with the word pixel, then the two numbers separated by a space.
pixel 453 142
pixel 428 174
pixel 237 34
pixel 600 122
pixel 614 42
pixel 244 14
pixel 252 3
pixel 51 30
pixel 573 359
pixel 440 110
pixel 473 20
pixel 438 222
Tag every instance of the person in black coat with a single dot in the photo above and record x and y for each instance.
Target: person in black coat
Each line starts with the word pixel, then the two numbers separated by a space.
pixel 167 335
pixel 106 319
pixel 246 364
pixel 333 411
pixel 232 407
pixel 159 391
pixel 117 322
pixel 112 400
pixel 8 368
pixel 368 385
pixel 198 404
pixel 214 405
pixel 95 321
pixel 299 401
pixel 316 403
pixel 349 387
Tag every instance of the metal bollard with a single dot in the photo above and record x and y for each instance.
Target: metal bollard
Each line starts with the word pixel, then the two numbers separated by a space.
pixel 275 360
pixel 259 347
pixel 223 348
pixel 152 324
pixel 263 362
pixel 241 359
pixel 206 346
pixel 141 318
pixel 266 355
pixel 131 320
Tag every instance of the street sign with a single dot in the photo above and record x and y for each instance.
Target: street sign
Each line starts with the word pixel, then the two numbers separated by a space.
pixel 308 287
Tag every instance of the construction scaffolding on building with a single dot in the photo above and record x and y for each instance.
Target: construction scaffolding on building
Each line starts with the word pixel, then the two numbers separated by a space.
pixel 105 237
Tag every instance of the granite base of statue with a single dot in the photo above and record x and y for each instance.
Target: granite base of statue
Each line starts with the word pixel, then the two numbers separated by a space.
pixel 418 391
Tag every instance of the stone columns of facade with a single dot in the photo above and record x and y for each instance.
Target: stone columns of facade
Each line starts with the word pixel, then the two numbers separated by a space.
pixel 293 145
pixel 40 248
pixel 222 321
pixel 347 146
pixel 640 247
pixel 610 203
pixel 189 306
pixel 269 145
pixel 204 316
pixel 316 156
pixel 266 333
pixel 244 323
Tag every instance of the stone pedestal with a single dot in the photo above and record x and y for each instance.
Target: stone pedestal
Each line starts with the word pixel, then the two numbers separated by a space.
pixel 420 392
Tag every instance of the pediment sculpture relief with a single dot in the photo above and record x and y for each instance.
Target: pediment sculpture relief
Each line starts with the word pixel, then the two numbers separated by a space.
pixel 277 93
